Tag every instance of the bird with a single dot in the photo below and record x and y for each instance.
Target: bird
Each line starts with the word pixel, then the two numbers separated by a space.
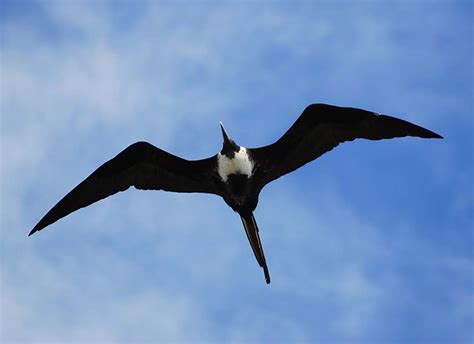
pixel 236 173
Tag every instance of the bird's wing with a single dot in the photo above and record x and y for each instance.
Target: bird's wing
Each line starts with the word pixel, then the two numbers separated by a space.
pixel 141 165
pixel 319 129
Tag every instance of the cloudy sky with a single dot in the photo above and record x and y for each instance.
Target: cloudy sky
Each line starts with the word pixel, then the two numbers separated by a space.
pixel 371 243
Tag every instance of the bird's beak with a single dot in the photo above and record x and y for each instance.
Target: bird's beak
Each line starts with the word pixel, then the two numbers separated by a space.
pixel 227 139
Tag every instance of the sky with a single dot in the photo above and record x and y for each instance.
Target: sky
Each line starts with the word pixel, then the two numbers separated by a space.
pixel 371 243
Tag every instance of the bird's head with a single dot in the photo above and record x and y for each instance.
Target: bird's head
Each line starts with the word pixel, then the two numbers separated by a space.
pixel 229 147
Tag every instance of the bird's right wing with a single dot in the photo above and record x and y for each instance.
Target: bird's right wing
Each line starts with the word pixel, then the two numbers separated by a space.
pixel 319 129
pixel 143 166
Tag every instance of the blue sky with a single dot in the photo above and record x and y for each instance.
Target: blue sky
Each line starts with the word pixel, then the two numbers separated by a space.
pixel 371 243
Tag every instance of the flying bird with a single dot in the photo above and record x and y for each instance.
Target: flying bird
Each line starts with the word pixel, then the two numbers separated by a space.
pixel 236 173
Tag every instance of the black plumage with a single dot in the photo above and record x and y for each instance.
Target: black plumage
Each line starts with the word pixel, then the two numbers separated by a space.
pixel 319 129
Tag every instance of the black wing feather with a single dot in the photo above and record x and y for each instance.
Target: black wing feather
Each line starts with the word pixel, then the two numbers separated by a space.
pixel 141 165
pixel 322 127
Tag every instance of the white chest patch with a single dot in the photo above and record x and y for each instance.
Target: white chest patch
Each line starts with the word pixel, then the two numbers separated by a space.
pixel 240 163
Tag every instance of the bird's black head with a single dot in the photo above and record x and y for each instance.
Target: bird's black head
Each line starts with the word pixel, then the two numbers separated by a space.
pixel 229 147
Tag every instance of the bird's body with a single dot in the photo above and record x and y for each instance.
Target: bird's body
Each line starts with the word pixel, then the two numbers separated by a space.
pixel 236 173
pixel 238 163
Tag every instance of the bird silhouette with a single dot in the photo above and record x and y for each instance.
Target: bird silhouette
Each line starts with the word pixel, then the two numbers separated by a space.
pixel 236 173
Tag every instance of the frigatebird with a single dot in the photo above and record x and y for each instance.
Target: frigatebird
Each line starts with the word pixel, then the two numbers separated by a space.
pixel 236 173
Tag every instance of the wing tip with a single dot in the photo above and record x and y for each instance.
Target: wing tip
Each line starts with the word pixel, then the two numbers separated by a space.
pixel 39 226
pixel 432 135
pixel 33 231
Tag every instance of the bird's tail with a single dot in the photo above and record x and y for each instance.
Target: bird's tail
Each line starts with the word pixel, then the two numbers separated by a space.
pixel 251 230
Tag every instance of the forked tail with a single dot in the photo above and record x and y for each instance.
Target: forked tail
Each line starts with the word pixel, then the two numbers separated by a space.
pixel 251 230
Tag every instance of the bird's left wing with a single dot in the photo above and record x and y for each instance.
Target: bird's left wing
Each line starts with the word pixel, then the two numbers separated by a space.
pixel 143 166
pixel 319 129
